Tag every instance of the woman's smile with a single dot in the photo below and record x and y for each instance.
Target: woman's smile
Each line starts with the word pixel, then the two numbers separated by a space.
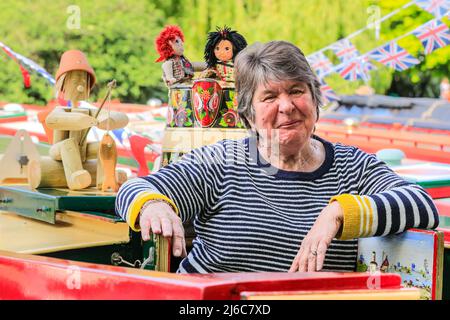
pixel 289 124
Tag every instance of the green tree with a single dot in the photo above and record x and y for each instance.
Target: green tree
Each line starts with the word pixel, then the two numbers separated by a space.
pixel 422 80
pixel 117 37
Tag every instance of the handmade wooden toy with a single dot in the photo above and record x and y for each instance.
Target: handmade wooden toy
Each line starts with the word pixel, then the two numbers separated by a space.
pixel 74 81
pixel 20 159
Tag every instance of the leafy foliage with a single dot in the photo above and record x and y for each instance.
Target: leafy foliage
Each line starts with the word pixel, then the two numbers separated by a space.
pixel 118 37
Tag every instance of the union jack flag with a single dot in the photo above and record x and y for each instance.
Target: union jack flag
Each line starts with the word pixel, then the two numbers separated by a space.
pixel 438 8
pixel 320 63
pixel 28 63
pixel 327 93
pixel 345 50
pixel 433 35
pixel 357 69
pixel 394 56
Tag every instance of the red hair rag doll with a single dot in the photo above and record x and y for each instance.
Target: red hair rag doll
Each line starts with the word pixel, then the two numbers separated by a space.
pixel 170 46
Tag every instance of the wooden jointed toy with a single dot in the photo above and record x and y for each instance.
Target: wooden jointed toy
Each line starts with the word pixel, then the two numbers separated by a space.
pixel 74 81
pixel 20 163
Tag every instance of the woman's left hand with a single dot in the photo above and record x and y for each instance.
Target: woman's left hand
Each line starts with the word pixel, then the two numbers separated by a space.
pixel 311 255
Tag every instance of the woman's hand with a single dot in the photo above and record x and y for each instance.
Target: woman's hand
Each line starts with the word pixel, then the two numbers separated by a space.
pixel 159 218
pixel 311 255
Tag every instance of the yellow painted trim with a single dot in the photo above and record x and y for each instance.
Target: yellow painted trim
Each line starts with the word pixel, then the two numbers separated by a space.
pixel 138 202
pixel 370 214
pixel 352 216
pixel 362 212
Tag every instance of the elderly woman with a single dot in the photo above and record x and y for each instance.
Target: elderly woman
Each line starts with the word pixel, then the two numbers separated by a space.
pixel 283 199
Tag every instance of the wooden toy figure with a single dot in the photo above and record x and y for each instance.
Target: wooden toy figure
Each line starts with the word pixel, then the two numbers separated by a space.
pixel 221 48
pixel 176 67
pixel 74 81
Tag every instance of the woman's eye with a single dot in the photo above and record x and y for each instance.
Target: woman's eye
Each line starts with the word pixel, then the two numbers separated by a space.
pixel 227 48
pixel 268 99
pixel 297 91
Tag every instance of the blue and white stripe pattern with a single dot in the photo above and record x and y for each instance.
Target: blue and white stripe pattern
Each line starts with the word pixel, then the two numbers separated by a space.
pixel 249 218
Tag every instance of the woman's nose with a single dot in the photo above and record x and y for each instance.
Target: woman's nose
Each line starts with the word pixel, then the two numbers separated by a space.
pixel 286 104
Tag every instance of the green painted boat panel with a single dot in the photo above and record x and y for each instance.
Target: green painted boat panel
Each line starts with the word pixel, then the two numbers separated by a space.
pixel 446 276
pixel 427 175
pixel 42 204
pixel 444 222
pixel 7 115
pixel 29 204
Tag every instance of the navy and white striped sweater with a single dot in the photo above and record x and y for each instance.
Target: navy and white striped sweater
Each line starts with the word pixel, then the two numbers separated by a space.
pixel 249 216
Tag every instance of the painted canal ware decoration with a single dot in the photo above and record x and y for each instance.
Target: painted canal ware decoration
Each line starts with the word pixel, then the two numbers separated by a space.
pixel 416 255
pixel 229 117
pixel 206 98
pixel 180 113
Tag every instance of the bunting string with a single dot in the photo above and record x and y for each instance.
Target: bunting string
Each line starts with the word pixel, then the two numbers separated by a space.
pixel 433 35
pixel 24 62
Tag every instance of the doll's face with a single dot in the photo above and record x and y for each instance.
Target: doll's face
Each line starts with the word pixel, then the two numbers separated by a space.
pixel 224 50
pixel 177 46
pixel 76 85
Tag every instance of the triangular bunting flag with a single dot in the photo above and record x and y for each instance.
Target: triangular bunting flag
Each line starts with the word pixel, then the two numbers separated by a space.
pixel 320 63
pixel 394 56
pixel 357 69
pixel 345 50
pixel 438 8
pixel 433 35
pixel 28 63
pixel 327 93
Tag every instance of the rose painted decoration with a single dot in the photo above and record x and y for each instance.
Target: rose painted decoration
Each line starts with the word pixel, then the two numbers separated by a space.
pixel 206 99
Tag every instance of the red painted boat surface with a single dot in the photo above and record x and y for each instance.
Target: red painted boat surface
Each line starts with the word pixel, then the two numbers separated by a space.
pixel 36 277
pixel 443 206
pixel 420 146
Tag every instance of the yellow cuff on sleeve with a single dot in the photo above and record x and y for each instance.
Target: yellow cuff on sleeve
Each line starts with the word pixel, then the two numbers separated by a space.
pixel 351 225
pixel 139 201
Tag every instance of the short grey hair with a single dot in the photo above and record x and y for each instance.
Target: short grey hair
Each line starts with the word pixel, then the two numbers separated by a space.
pixel 271 61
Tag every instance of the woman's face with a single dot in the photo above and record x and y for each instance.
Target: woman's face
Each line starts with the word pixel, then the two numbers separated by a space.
pixel 177 46
pixel 224 50
pixel 284 110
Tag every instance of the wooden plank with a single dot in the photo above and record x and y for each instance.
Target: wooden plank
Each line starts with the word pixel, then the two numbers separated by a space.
pixel 72 230
pixel 359 294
